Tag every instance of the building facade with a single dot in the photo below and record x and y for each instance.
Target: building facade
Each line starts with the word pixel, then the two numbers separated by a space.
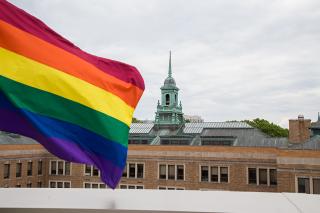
pixel 170 154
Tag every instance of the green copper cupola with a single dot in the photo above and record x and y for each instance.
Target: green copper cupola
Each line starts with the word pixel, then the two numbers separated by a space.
pixel 169 111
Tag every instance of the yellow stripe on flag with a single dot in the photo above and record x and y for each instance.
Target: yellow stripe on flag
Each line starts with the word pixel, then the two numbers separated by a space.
pixel 40 76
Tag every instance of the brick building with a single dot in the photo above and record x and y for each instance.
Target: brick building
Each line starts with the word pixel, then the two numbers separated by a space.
pixel 174 155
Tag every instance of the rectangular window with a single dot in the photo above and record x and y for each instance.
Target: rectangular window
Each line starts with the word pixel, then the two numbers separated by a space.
pixel 29 169
pixel 204 173
pixel 87 170
pixel 304 185
pixel 252 175
pixel 18 170
pixel 273 176
pixel 67 168
pixel 132 170
pixel 124 173
pixel 52 184
pixel 123 186
pixel 39 184
pixel 53 166
pixel 224 174
pixel 214 174
pixel 59 184
pixel 316 185
pixel 171 172
pixel 18 186
pixel 40 167
pixel 29 185
pixel 95 186
pixel 6 171
pixel 140 170
pixel 162 171
pixel 180 172
pixel 66 184
pixel 95 172
pixel 60 168
pixel 263 177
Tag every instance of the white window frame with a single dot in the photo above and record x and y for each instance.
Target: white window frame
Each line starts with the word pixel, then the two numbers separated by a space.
pixel 127 185
pixel 173 187
pixel 310 182
pixel 56 181
pixel 91 171
pixel 209 173
pixel 99 185
pixel 258 177
pixel 175 171
pixel 136 170
pixel 64 168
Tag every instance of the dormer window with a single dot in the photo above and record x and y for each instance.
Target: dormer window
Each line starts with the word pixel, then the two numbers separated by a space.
pixel 167 99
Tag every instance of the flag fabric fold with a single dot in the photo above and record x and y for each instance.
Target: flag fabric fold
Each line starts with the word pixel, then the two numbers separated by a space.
pixel 77 105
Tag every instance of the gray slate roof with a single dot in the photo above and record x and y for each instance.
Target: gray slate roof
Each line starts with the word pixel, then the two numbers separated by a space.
pixel 10 138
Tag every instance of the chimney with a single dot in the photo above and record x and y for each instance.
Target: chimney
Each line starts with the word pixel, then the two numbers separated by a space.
pixel 299 131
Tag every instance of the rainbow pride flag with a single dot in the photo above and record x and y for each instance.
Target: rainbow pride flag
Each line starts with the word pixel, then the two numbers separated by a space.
pixel 77 105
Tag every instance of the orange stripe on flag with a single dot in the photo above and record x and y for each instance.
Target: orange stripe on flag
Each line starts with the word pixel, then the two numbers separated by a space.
pixel 39 50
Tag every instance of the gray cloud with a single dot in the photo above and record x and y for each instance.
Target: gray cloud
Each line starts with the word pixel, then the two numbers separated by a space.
pixel 232 59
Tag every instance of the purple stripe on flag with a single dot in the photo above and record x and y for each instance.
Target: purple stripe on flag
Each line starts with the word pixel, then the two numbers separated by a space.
pixel 15 123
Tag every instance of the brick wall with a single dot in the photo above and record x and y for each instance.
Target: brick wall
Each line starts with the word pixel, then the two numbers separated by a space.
pixel 289 165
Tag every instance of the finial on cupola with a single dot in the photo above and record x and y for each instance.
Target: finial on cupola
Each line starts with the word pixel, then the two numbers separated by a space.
pixel 170 70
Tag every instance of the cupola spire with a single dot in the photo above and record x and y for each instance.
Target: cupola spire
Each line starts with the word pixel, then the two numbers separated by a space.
pixel 170 69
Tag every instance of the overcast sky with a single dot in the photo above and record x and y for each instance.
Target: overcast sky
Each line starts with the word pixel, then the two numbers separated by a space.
pixel 232 60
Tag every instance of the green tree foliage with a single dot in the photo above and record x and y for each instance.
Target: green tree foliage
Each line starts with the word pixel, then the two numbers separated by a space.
pixel 135 120
pixel 268 128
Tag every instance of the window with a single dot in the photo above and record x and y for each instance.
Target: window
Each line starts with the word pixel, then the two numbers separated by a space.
pixel 91 171
pixel 262 176
pixel 171 172
pixel 18 185
pixel 304 185
pixel 6 171
pixel 140 170
pixel 18 170
pixel 180 172
pixel 29 168
pixel 252 175
pixel 308 185
pixel 39 167
pixel 316 185
pixel 170 188
pixel 59 167
pixel 59 184
pixel 136 170
pixel 214 174
pixel 53 166
pixel 162 172
pixel 39 184
pixel 129 186
pixel 224 174
pixel 132 170
pixel 167 99
pixel 204 173
pixel 273 177
pixel 29 185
